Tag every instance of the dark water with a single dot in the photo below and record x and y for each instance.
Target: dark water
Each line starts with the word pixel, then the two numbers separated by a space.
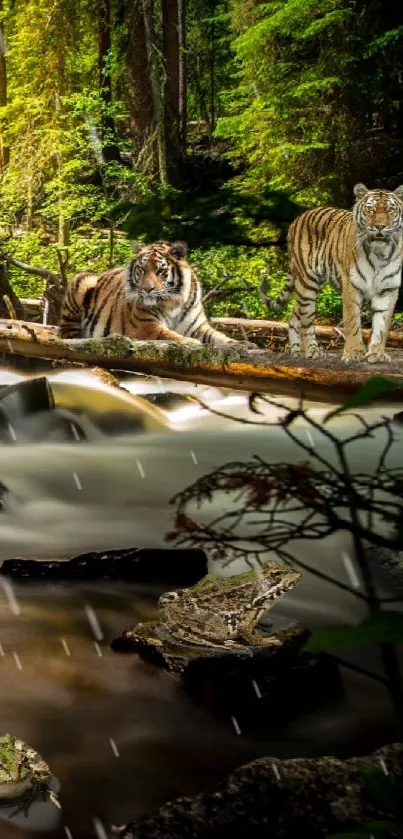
pixel 119 735
pixel 71 706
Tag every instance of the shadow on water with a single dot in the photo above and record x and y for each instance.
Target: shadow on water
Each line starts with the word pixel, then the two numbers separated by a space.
pixel 121 736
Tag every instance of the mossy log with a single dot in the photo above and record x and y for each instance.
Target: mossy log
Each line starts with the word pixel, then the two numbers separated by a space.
pixel 273 331
pixel 326 380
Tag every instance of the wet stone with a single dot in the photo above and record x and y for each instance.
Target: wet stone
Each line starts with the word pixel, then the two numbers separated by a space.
pixel 286 799
pixel 256 685
pixel 171 567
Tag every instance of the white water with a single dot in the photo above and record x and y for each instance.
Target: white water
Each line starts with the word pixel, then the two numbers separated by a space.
pixel 115 492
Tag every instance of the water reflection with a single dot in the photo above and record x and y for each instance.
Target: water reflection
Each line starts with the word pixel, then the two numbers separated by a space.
pixel 79 704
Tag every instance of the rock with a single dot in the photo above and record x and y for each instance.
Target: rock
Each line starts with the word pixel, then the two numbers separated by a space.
pixel 256 686
pixel 388 563
pixel 43 816
pixel 28 414
pixel 173 567
pixel 21 401
pixel 285 799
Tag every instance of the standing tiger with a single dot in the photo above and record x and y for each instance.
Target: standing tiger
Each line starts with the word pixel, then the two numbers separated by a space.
pixel 360 252
pixel 157 297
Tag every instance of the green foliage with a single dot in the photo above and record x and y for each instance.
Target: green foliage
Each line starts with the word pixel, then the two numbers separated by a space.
pixel 209 217
pixel 384 791
pixel 384 627
pixel 307 97
pixel 311 75
pixel 243 266
pixel 88 250
pixel 372 830
pixel 386 794
pixel 374 387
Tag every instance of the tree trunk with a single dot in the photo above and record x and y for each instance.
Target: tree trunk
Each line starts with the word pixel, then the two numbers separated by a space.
pixel 110 149
pixel 158 104
pixel 172 126
pixel 203 109
pixel 142 123
pixel 7 292
pixel 4 151
pixel 182 75
pixel 212 77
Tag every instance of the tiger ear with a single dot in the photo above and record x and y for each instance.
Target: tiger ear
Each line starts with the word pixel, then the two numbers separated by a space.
pixel 179 250
pixel 360 190
pixel 136 247
pixel 399 191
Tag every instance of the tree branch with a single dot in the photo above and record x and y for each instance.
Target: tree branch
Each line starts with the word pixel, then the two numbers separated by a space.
pixel 39 272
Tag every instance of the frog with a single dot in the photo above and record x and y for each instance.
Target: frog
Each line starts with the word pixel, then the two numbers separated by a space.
pixel 22 766
pixel 224 612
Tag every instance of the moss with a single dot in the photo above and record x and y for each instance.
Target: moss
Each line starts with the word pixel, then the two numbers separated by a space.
pixel 114 346
pixel 184 355
pixel 225 583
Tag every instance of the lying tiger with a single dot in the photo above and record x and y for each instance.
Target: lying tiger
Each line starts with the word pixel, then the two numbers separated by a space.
pixel 157 297
pixel 360 252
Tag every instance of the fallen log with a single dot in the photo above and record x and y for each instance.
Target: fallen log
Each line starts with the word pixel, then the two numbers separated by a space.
pixel 242 327
pixel 327 380
pixel 275 331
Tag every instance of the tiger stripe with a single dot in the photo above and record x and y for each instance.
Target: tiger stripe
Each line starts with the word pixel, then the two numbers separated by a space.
pixel 156 297
pixel 360 253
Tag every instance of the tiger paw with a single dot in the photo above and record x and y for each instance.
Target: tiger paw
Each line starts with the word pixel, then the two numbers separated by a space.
pixel 248 345
pixel 315 352
pixel 375 356
pixel 191 341
pixel 353 354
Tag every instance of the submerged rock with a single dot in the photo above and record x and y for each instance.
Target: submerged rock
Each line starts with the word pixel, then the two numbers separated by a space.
pixel 289 799
pixel 256 686
pixel 211 636
pixel 135 565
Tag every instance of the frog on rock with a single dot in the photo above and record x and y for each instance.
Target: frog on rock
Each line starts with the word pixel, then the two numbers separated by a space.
pixel 23 774
pixel 224 612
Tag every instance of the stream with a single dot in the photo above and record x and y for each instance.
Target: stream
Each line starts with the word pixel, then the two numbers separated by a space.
pixel 120 736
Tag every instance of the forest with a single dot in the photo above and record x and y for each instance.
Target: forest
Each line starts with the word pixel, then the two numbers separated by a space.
pixel 213 121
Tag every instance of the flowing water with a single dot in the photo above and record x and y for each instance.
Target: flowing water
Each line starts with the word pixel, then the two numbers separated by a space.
pixel 120 736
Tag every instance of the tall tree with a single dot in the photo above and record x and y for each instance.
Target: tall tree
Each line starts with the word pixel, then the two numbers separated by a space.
pixel 4 151
pixel 110 147
pixel 182 74
pixel 172 80
pixel 156 90
pixel 140 96
pixel 313 112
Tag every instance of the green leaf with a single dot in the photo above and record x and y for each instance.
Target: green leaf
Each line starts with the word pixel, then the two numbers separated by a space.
pixel 376 386
pixel 382 790
pixel 378 829
pixel 383 628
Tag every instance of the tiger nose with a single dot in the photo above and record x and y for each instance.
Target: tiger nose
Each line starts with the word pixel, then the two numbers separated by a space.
pixel 380 226
pixel 149 284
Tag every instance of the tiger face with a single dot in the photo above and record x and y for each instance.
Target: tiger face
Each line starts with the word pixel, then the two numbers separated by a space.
pixel 378 213
pixel 157 274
